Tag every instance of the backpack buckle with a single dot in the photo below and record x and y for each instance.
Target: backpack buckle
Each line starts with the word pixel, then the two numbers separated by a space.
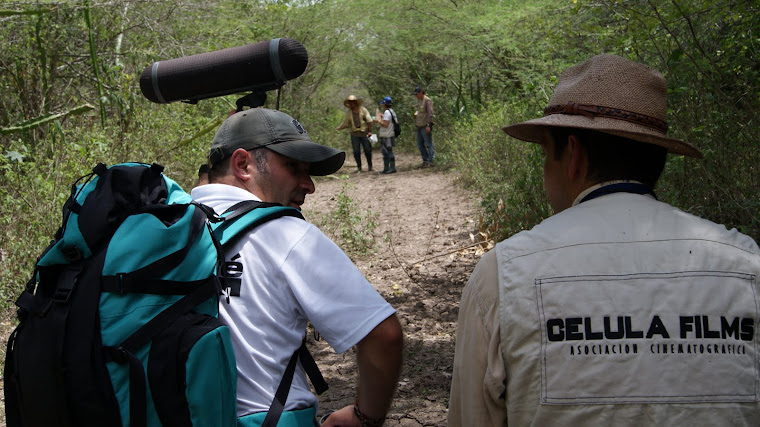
pixel 121 282
pixel 66 284
pixel 71 253
pixel 230 278
pixel 62 295
pixel 116 354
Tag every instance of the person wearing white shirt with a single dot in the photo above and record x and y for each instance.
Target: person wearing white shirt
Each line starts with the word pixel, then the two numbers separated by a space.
pixel 293 274
pixel 387 135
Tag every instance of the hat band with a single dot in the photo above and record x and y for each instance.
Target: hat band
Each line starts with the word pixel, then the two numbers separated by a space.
pixel 592 111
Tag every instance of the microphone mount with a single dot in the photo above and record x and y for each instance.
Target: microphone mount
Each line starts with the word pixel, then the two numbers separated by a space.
pixel 252 100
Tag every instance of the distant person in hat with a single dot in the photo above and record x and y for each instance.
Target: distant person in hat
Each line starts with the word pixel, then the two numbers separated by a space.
pixel 293 274
pixel 387 135
pixel 619 309
pixel 359 122
pixel 423 121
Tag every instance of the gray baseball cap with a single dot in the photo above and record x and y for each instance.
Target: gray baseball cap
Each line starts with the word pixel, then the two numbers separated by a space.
pixel 277 131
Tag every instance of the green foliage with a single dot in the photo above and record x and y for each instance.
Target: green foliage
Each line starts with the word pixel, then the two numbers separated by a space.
pixel 29 202
pixel 349 228
pixel 38 121
pixel 706 51
pixel 506 172
pixel 485 64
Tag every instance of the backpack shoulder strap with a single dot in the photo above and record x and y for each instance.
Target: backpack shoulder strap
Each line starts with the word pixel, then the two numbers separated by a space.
pixel 247 215
pixel 281 395
pixel 237 220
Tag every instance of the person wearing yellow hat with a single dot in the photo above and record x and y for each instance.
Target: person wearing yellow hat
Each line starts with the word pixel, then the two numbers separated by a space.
pixel 359 121
pixel 619 309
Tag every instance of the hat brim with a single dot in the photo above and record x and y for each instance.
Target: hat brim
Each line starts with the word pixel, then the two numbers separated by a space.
pixel 348 101
pixel 533 131
pixel 323 160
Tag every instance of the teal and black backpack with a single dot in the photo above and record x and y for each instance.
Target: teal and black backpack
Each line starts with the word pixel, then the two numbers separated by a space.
pixel 118 325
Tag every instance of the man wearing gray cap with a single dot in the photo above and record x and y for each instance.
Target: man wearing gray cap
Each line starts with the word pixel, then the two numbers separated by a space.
pixel 293 274
pixel 619 309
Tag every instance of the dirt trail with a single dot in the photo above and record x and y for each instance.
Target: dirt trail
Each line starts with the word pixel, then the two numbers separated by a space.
pixel 424 253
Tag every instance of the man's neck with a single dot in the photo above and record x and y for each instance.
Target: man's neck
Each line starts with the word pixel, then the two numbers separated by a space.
pixel 583 194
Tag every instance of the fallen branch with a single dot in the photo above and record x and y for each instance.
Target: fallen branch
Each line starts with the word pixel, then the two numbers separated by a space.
pixel 392 247
pixel 451 252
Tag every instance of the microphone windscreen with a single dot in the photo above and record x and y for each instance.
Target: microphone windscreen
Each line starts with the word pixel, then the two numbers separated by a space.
pixel 258 66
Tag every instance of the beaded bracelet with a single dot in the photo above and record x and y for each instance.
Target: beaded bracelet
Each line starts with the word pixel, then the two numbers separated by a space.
pixel 366 421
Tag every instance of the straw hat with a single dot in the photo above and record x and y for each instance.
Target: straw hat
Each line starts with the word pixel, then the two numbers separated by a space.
pixel 352 98
pixel 608 94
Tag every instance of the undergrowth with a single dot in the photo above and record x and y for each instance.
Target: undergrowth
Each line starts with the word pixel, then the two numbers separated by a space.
pixel 347 226
pixel 505 172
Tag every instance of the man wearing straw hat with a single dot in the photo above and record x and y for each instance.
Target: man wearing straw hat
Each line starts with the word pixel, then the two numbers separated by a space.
pixel 619 309
pixel 359 121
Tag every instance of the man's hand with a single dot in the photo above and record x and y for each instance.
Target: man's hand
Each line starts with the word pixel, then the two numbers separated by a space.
pixel 343 417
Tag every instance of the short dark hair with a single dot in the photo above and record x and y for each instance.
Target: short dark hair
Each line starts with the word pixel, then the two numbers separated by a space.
pixel 613 157
pixel 260 154
pixel 219 169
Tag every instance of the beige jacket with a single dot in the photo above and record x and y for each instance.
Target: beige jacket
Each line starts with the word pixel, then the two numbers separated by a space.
pixel 424 114
pixel 619 311
pixel 364 125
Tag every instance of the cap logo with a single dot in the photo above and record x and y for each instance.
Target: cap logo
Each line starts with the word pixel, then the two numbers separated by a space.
pixel 298 126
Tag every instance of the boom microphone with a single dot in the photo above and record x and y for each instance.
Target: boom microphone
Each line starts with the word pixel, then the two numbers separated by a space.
pixel 255 67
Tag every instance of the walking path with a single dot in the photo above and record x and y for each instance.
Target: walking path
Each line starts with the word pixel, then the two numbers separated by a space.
pixel 425 248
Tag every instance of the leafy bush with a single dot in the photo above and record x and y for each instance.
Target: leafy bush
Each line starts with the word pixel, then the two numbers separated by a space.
pixel 350 229
pixel 712 95
pixel 490 63
pixel 506 172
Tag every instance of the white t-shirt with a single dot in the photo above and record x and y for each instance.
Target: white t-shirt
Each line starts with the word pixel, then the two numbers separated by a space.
pixel 388 131
pixel 292 273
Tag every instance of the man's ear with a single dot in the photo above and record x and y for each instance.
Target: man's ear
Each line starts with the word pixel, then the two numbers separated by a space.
pixel 578 165
pixel 241 164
